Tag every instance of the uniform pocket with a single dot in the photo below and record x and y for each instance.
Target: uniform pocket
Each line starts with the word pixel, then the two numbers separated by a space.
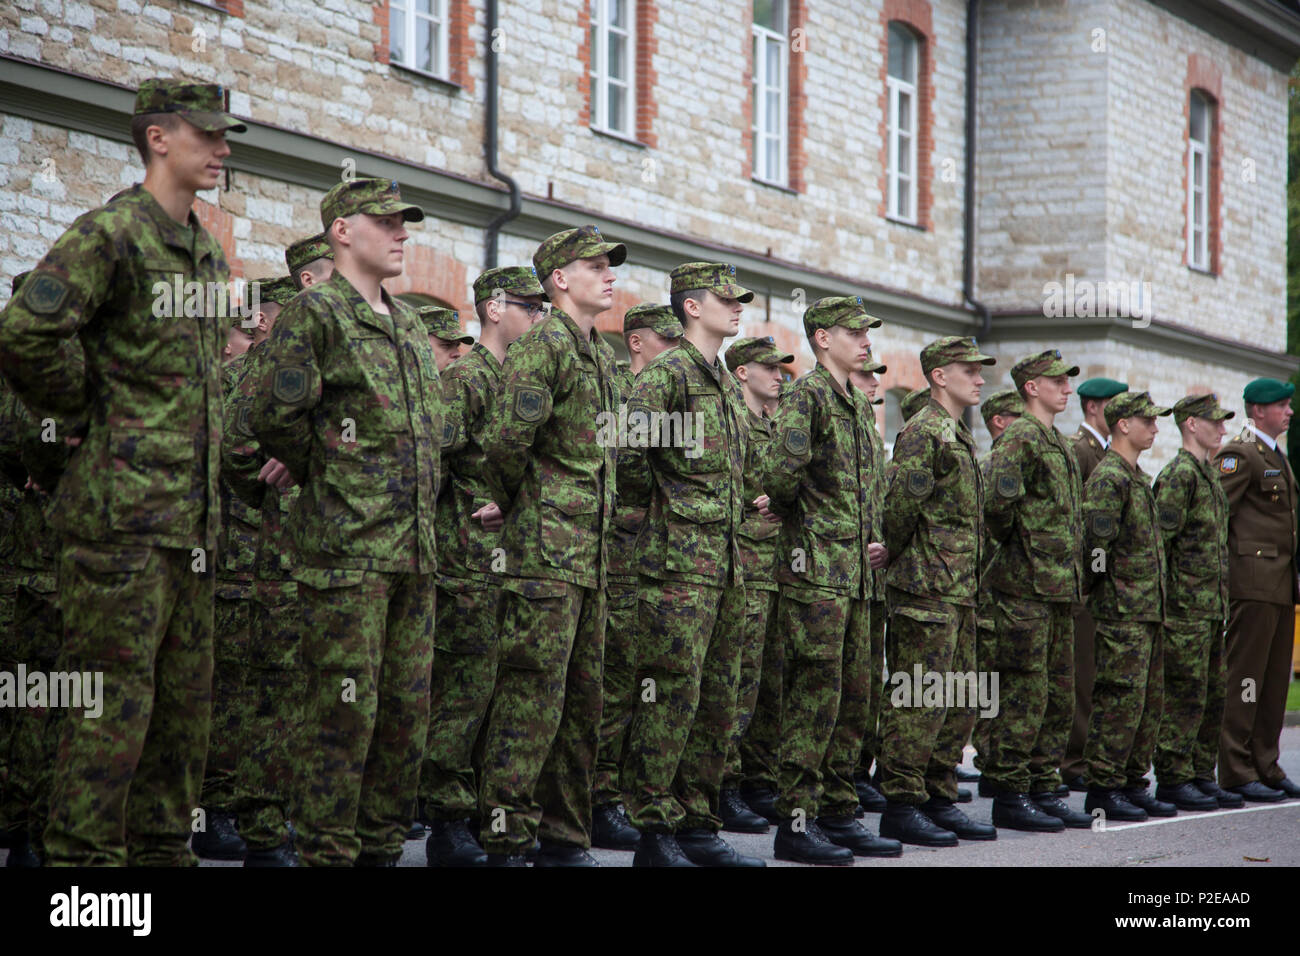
pixel 697 541
pixel 151 482
pixel 568 528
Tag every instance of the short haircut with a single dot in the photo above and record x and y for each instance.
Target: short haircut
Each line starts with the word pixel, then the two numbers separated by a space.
pixel 1085 399
pixel 140 125
pixel 678 301
pixel 548 286
pixel 296 275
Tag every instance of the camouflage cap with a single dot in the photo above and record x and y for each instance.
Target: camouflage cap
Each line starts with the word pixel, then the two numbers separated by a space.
pixel 913 402
pixel 652 316
pixel 307 250
pixel 376 197
pixel 279 290
pixel 717 277
pixel 1133 405
pixel 1101 388
pixel 1044 363
pixel 952 348
pixel 202 105
pixel 444 324
pixel 584 242
pixel 1004 402
pixel 516 280
pixel 845 310
pixel 1201 406
pixel 1266 391
pixel 874 367
pixel 756 349
pixel 17 281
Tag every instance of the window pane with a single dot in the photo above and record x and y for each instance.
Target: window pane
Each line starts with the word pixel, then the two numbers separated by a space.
pixel 1198 169
pixel 773 65
pixel 773 158
pixel 618 13
pixel 424 49
pixel 904 119
pixel 618 56
pixel 598 103
pixel 902 54
pixel 397 35
pixel 773 112
pixel 424 6
pixel 904 207
pixel 617 108
pixel 595 48
pixel 770 14
pixel 904 156
pixel 1198 118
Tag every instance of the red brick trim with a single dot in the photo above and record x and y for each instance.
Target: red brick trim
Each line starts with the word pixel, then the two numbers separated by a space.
pixel 460 42
pixel 234 8
pixel 584 64
pixel 647 45
pixel 747 104
pixel 916 15
pixel 1205 76
pixel 380 14
pixel 222 226
pixel 432 272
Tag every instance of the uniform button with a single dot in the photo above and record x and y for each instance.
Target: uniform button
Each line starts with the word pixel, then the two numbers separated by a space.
pixel 1259 554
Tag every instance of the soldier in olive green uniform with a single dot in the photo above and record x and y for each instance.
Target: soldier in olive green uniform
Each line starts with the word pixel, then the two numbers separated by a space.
pixel 554 481
pixel 309 261
pixel 347 400
pixel 465 655
pixel 1126 562
pixel 1033 512
pixel 648 330
pixel 138 503
pixel 1090 444
pixel 933 529
pixel 1193 515
pixel 756 364
pixel 820 477
pixel 1262 496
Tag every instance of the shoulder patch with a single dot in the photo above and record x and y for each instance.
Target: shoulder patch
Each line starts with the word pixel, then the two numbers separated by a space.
pixel 290 384
pixel 1168 519
pixel 448 433
pixel 529 403
pixel 919 483
pixel 1228 464
pixel 242 425
pixel 796 441
pixel 1103 526
pixel 44 293
pixel 1008 486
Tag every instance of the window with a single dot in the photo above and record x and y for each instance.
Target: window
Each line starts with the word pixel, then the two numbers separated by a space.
pixel 613 86
pixel 893 416
pixel 770 91
pixel 417 35
pixel 901 130
pixel 1201 120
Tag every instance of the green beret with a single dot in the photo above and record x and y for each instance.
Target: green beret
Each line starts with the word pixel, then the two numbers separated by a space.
pixel 717 277
pixel 444 324
pixel 952 348
pixel 1004 402
pixel 914 401
pixel 377 197
pixel 652 316
pixel 1101 388
pixel 1200 406
pixel 845 310
pixel 516 280
pixel 1133 405
pixel 307 250
pixel 1265 391
pixel 584 242
pixel 202 105
pixel 760 349
pixel 1044 363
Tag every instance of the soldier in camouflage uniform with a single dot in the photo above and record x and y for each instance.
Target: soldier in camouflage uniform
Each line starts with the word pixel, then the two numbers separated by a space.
pixel 1193 513
pixel 1032 511
pixel 913 402
pixel 819 475
pixel 309 261
pixel 1126 563
pixel 692 600
pixel 756 364
pixel 137 504
pixel 554 482
pixel 446 337
pixel 933 526
pixel 346 399
pixel 271 736
pixel 507 300
pixel 648 331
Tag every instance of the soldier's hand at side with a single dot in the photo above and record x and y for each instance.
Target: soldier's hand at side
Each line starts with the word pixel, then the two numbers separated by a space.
pixel 275 472
pixel 490 515
pixel 877 555
pixel 761 503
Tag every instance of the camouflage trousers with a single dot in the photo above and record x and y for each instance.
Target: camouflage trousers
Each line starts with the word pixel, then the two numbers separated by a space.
pixel 1187 742
pixel 689 642
pixel 760 746
pixel 1034 660
pixel 1085 674
pixel 367 649
pixel 1127 701
pixel 125 785
pixel 985 650
pixel 820 631
pixel 760 616
pixel 37 635
pixel 921 743
pixel 620 691
pixel 233 612
pixel 268 779
pixel 464 676
pixel 539 746
pixel 871 740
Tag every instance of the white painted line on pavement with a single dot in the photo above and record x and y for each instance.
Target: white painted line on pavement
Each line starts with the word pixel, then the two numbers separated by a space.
pixel 1184 815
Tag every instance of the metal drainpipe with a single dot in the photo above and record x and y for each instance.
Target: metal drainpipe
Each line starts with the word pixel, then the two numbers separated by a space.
pixel 968 240
pixel 490 144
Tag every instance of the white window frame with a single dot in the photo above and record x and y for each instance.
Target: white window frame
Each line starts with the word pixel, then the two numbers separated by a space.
pixel 762 85
pixel 601 81
pixel 1198 194
pixel 403 16
pixel 898 88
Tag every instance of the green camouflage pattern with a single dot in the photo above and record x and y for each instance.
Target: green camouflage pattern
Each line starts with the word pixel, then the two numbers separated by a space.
pixel 443 324
pixel 375 197
pixel 1192 511
pixel 232 620
pixel 583 242
pixel 755 349
pixel 949 349
pixel 855 719
pixel 515 280
pixel 306 251
pixel 760 746
pixel 844 310
pixel 875 693
pixel 716 277
pixel 1048 363
pixel 619 687
pixel 758 536
pixel 1187 741
pixel 655 317
pixel 913 402
pixel 1121 523
pixel 634 486
pixel 760 614
pixel 203 105
pixel 1127 701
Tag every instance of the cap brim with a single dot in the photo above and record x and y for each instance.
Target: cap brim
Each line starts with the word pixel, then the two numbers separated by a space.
pixel 728 290
pixel 1222 415
pixel 460 337
pixel 1060 368
pixel 1158 411
pixel 860 322
pixel 211 122
pixel 616 251
pixel 773 358
pixel 875 368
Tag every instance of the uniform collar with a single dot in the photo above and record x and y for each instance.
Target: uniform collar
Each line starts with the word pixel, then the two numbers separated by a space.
pixel 1270 442
pixel 487 358
pixel 168 228
pixel 1105 442
pixel 361 309
pixel 846 392
pixel 714 370
pixel 585 345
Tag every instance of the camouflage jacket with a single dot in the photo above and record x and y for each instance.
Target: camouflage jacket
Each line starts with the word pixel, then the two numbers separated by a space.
pixel 30 546
pixel 758 536
pixel 934 509
pixel 634 483
pixel 237 546
pixel 470 386
pixel 148 398
pixel 349 401
pixel 878 487
pixel 1126 557
pixel 692 526
pixel 984 604
pixel 1193 514
pixel 819 474
pixel 1033 510
pixel 548 471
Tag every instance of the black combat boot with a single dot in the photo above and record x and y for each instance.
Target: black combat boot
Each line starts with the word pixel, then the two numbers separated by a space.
pixel 809 844
pixel 848 832
pixel 22 854
pixel 763 802
pixel 562 856
pixel 1211 788
pixel 1139 797
pixel 1185 796
pixel 1054 806
pixel 1016 811
pixel 221 839
pixel 1113 805
pixel 611 829
pixel 506 859
pixel 705 848
pixel 657 848
pixel 736 815
pixel 907 824
pixel 942 813
pixel 451 844
pixel 869 798
pixel 282 855
pixel 964 795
